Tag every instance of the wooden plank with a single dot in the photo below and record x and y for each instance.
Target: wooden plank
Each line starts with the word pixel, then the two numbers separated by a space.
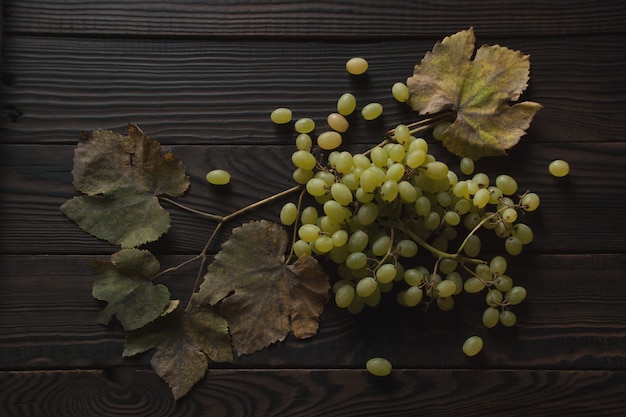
pixel 222 91
pixel 328 393
pixel 352 18
pixel 573 318
pixel 36 180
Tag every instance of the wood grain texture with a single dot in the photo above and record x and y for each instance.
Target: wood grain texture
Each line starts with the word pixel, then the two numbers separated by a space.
pixel 36 180
pixel 578 324
pixel 327 393
pixel 283 18
pixel 222 91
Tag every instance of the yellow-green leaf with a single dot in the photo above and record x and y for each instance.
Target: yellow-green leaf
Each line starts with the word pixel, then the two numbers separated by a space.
pixel 479 90
pixel 261 297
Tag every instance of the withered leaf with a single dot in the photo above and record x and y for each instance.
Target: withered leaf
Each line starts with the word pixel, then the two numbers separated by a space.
pixel 183 340
pixel 262 298
pixel 479 90
pixel 121 176
pixel 125 283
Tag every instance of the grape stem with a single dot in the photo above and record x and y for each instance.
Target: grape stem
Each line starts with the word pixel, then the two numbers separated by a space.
pixel 424 124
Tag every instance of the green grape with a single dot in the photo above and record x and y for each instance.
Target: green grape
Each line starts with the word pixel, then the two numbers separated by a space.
pixel 344 296
pixel 506 184
pixel 483 272
pixel 350 181
pixel 356 66
pixel 281 115
pixel 473 285
pixel 386 273
pixel 530 201
pixel 303 159
pixel 301 248
pixel 400 92
pixel 378 366
pixel 346 104
pixel 407 248
pixel 498 265
pixel 327 225
pixel 491 317
pixel 481 179
pixel 396 152
pixel 472 246
pixel 337 122
pixel 343 162
pixel 432 220
pixel 372 111
pixel 381 245
pixel 407 192
pixel 357 242
pixel 413 277
pixel 340 238
pixel 356 260
pixel 445 304
pixel 374 299
pixel 395 172
pixel 558 168
pixel 446 288
pixel 316 187
pixel 389 190
pixel 471 220
pixel 481 198
pixel 513 245
pixel 523 233
pixel 508 318
pixel 304 142
pixel 447 266
pixel 402 134
pixel 288 214
pixel 334 211
pixel 412 296
pixel 418 144
pixel 452 218
pixel 366 287
pixel 461 189
pixel 516 295
pixel 466 166
pixel 440 129
pixel 444 199
pixel 338 254
pixel 218 177
pixel 329 140
pixel 415 158
pixel 436 170
pixel 309 232
pixel 503 283
pixel 472 345
pixel 357 305
pixel 458 282
pixel 422 206
pixel 302 176
pixel 379 156
pixel 495 194
pixel 309 215
pixel 369 180
pixel 509 215
pixel 494 298
pixel 304 125
pixel 324 244
pixel 367 213
pixel 327 177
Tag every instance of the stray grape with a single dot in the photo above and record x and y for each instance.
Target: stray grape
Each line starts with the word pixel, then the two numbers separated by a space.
pixel 472 345
pixel 559 168
pixel 218 177
pixel 356 66
pixel 281 116
pixel 378 366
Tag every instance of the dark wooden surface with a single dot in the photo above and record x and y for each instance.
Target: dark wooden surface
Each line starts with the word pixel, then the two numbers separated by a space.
pixel 202 77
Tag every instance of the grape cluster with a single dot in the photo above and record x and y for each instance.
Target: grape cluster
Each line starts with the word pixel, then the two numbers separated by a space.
pixel 375 214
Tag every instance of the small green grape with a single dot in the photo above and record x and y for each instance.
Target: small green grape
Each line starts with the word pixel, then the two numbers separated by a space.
pixel 472 345
pixel 378 366
pixel 218 177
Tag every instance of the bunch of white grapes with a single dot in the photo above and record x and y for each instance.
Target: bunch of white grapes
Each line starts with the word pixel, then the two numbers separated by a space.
pixel 381 214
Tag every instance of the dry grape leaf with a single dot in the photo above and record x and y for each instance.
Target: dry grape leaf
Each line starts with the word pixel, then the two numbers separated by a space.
pixel 261 297
pixel 183 340
pixel 125 283
pixel 479 90
pixel 121 176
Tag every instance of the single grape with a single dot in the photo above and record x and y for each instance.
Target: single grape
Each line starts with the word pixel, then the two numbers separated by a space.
pixel 481 179
pixel 523 232
pixel 491 317
pixel 344 296
pixel 316 187
pixel 346 104
pixel 304 142
pixel 357 242
pixel 288 214
pixel 506 184
pixel 472 345
pixel 340 238
pixel 413 277
pixel 334 211
pixel 367 213
pixel 341 193
pixel 344 162
pixel 337 122
pixel 356 66
pixel 473 285
pixel 356 260
pixel 407 248
pixel 447 266
pixel 466 166
pixel 372 111
pixel 513 245
pixel 509 215
pixel 366 287
pixel 558 168
pixel 452 218
pixel 304 125
pixel 516 295
pixel 281 115
pixel 503 283
pixel 407 191
pixel 494 298
pixel 400 92
pixel 446 288
pixel 309 232
pixel 218 177
pixel 401 133
pixel 381 245
pixel 309 215
pixel 302 176
pixel 378 366
pixel 436 170
pixel 412 296
pixel 415 158
pixel 481 198
pixel 472 246
pixel 508 318
pixel 389 190
pixel 324 244
pixel 422 206
pixel 329 140
pixel 303 159
pixel 530 201
pixel 439 129
pixel 498 265
pixel 386 273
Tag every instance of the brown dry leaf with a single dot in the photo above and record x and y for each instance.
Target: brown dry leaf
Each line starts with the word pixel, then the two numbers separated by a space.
pixel 262 298
pixel 479 90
